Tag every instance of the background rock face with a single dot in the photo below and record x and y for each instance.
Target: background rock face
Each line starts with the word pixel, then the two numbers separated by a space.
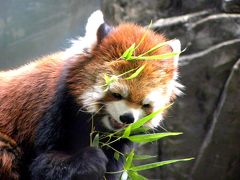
pixel 208 113
pixel 142 11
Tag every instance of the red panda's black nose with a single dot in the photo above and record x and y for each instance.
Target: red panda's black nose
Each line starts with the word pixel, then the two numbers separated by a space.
pixel 127 118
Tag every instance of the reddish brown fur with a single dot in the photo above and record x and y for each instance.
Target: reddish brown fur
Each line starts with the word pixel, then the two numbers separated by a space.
pixel 26 93
pixel 33 86
pixel 106 59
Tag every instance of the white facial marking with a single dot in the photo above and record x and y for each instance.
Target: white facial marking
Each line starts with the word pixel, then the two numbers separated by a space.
pixel 158 100
pixel 118 108
pixel 155 122
pixel 120 88
pixel 86 43
pixel 91 97
pixel 106 123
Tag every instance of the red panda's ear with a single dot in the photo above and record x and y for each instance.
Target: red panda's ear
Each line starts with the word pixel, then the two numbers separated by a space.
pixel 85 44
pixel 175 44
pixel 103 31
pixel 94 22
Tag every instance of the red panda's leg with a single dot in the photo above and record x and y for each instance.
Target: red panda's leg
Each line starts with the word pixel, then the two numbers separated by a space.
pixel 8 162
pixel 124 146
pixel 89 164
pixel 62 140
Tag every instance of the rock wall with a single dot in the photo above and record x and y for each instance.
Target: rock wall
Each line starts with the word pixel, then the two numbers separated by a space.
pixel 208 113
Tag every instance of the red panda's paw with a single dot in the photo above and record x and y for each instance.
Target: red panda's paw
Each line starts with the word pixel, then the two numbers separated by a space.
pixel 90 164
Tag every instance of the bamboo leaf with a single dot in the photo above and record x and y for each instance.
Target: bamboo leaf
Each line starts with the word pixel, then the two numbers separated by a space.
pixel 156 57
pixel 155 48
pixel 127 132
pixel 129 159
pixel 157 164
pixel 95 142
pixel 135 176
pixel 107 79
pixel 142 121
pixel 143 157
pixel 113 78
pixel 129 52
pixel 140 130
pixel 131 70
pixel 145 119
pixel 116 155
pixel 144 35
pixel 144 138
pixel 136 73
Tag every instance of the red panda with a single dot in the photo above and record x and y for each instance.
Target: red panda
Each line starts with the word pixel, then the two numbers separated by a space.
pixel 46 106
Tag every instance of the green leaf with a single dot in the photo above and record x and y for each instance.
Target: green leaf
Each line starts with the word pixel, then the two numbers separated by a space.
pixel 156 57
pixel 116 155
pixel 143 157
pixel 144 35
pixel 155 48
pixel 107 79
pixel 129 159
pixel 144 138
pixel 131 70
pixel 157 164
pixel 127 132
pixel 113 78
pixel 129 52
pixel 135 176
pixel 142 121
pixel 140 130
pixel 136 73
pixel 95 142
pixel 145 119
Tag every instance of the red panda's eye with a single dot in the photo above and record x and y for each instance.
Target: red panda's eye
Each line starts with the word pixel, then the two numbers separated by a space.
pixel 117 96
pixel 146 105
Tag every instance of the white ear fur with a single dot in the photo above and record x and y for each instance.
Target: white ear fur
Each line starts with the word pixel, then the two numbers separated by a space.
pixel 93 23
pixel 175 44
pixel 85 44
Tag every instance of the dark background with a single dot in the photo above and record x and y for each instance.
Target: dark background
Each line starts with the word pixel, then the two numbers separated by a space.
pixel 209 112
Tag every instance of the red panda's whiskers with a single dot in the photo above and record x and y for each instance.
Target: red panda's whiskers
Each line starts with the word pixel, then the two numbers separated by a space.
pixel 86 106
pixel 91 119
pixel 162 126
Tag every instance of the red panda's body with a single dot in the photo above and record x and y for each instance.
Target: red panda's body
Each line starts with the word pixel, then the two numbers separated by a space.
pixel 25 93
pixel 46 106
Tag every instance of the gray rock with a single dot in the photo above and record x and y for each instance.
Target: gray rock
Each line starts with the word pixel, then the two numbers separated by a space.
pixel 231 6
pixel 208 113
pixel 213 48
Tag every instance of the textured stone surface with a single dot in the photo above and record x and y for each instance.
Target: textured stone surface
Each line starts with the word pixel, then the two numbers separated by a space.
pixel 212 51
pixel 142 11
pixel 219 156
pixel 208 113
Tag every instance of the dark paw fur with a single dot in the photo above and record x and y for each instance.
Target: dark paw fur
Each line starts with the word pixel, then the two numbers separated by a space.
pixel 90 164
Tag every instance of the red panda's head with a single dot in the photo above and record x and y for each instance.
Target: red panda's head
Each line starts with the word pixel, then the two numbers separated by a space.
pixel 125 101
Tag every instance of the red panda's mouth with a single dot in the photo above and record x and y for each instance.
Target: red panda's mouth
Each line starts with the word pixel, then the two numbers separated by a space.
pixel 115 124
